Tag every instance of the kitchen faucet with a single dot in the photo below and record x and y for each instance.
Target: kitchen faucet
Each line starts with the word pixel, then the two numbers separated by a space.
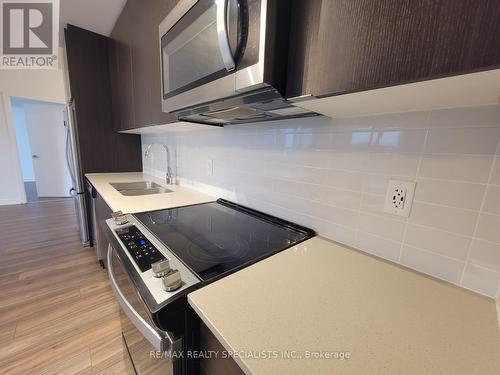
pixel 169 176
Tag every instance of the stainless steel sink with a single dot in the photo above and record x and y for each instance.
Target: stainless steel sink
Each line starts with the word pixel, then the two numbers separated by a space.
pixel 139 188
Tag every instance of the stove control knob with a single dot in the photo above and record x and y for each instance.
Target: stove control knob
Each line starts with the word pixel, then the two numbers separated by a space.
pixel 161 268
pixel 172 281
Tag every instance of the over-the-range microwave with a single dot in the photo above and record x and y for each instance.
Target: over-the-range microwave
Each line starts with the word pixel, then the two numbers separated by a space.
pixel 224 61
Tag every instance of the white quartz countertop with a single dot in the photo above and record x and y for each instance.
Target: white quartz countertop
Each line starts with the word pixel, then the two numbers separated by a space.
pixel 181 196
pixel 322 297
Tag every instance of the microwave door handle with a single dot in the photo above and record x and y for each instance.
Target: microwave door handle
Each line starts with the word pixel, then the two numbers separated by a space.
pixel 161 340
pixel 223 36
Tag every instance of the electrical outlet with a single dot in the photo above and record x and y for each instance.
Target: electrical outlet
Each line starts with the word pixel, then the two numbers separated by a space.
pixel 210 167
pixel 399 197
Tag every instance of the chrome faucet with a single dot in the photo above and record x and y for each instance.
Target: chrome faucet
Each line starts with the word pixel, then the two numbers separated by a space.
pixel 169 176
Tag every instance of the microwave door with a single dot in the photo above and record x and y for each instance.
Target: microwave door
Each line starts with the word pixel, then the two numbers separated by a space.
pixel 199 43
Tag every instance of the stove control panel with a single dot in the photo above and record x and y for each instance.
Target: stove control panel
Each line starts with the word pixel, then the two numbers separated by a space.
pixel 139 247
pixel 157 272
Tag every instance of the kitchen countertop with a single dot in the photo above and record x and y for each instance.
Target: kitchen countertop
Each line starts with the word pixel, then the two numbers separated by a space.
pixel 322 296
pixel 181 196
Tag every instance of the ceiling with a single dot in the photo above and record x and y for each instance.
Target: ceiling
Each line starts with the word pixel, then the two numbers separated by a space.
pixel 94 15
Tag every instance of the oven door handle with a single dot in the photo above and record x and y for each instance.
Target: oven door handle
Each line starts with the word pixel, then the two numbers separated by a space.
pixel 223 36
pixel 162 341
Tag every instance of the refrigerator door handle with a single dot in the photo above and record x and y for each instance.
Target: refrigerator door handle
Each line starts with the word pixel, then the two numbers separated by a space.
pixel 74 161
pixel 69 157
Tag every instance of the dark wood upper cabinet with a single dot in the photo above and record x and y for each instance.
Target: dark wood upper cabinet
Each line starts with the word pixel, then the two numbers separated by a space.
pixel 343 46
pixel 101 149
pixel 336 47
pixel 135 65
pixel 122 86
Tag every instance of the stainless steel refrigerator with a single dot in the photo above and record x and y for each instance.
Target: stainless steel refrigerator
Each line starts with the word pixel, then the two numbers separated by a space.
pixel 77 190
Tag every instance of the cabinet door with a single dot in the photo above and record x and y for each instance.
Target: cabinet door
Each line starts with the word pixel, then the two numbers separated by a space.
pixel 136 32
pixel 132 91
pixel 114 84
pixel 365 44
pixel 211 365
pixel 122 88
pixel 137 16
pixel 304 29
pixel 146 60
pixel 101 149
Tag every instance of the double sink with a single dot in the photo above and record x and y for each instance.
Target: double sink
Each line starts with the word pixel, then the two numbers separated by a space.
pixel 139 188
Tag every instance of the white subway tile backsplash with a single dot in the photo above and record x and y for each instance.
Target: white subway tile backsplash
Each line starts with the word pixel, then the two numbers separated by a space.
pixel 344 180
pixel 374 204
pixel 280 170
pixel 332 175
pixel 357 141
pixel 337 215
pixel 463 141
pixel 450 193
pixel 495 175
pixel 432 264
pixel 486 254
pixel 482 116
pixel 489 228
pixel 446 218
pixel 308 158
pixel 377 184
pixel 437 241
pixel 392 164
pixel 398 141
pixel 378 246
pixel 381 226
pixel 349 161
pixel 412 120
pixel 471 168
pixel 340 233
pixel 481 280
pixel 299 189
pixel 492 200
pixel 339 198
pixel 311 175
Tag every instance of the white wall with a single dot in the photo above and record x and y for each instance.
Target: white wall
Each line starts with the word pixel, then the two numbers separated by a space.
pixel 11 180
pixel 36 84
pixel 331 175
pixel 43 85
pixel 23 142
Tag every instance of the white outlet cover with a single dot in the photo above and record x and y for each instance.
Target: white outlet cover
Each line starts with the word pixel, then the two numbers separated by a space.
pixel 399 197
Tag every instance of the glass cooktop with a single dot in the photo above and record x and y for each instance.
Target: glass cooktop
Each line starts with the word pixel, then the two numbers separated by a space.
pixel 221 237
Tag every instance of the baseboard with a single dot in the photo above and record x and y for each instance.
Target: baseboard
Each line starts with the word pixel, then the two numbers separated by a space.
pixel 5 202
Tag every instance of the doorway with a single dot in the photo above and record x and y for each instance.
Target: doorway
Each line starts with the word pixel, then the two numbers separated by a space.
pixel 41 140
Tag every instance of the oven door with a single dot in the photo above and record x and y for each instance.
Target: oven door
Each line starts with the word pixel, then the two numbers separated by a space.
pixel 149 347
pixel 201 44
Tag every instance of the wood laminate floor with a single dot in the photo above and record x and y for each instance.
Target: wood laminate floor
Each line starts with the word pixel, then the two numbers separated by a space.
pixel 57 311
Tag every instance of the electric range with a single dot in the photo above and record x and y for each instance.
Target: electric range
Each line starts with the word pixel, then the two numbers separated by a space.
pixel 156 258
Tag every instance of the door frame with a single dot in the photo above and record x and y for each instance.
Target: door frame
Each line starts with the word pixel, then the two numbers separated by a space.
pixel 11 128
pixel 12 134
